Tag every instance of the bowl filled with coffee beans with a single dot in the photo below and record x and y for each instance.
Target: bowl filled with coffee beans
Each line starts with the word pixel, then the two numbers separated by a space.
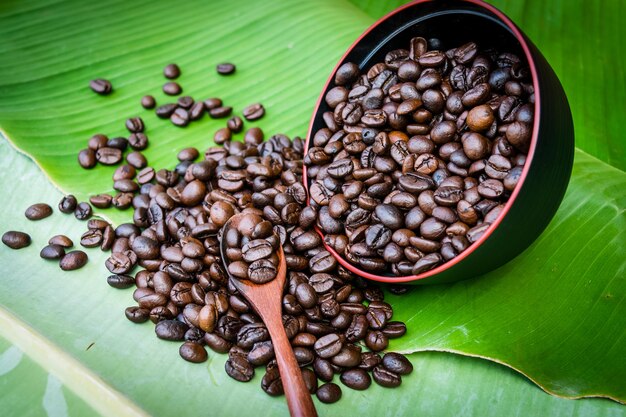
pixel 440 147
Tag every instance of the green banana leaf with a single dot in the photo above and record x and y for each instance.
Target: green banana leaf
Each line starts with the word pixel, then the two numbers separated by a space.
pixel 555 314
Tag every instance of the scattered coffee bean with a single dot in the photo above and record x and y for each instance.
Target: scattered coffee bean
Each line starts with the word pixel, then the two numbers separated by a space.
pixel 148 102
pixel 61 240
pixel 254 112
pixel 225 68
pixel 16 240
pixel 53 252
pixel 172 89
pixel 73 260
pixel 101 86
pixel 83 211
pixel 329 393
pixel 38 211
pixel 68 204
pixel 171 71
pixel 193 352
pixel 87 158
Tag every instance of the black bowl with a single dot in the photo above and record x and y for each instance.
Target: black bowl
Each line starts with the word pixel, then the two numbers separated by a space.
pixel 546 173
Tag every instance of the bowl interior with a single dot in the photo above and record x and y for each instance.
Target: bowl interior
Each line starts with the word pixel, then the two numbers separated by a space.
pixel 453 22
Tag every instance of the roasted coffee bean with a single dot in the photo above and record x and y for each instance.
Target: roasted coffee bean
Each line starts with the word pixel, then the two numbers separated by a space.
pixel 120 281
pixel 254 112
pixel 226 68
pixel 101 86
pixel 52 252
pixel 38 211
pixel 397 363
pixel 357 379
pixel 172 89
pixel 73 260
pixel 148 102
pixel 137 314
pixel 61 240
pixel 171 71
pixel 328 346
pixel 68 204
pixel 135 125
pixel 83 211
pixel 386 378
pixel 329 393
pixel 101 200
pixel 87 158
pixel 109 155
pixel 193 352
pixel 180 117
pixel 238 368
pixel 171 330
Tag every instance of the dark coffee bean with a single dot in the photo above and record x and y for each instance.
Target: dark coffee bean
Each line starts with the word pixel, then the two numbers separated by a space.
pixel 235 124
pixel 219 112
pixel 52 252
pixel 138 141
pixel 226 68
pixel 328 346
pixel 119 143
pixel 262 271
pixel 148 102
pixel 137 314
pixel 120 281
pixel 73 260
pixel 171 330
pixel 348 357
pixel 357 379
pixel 91 238
pixel 254 112
pixel 271 382
pixel 394 329
pixel 171 71
pixel 172 89
pixel 68 204
pixel 38 211
pixel 180 117
pixel 61 240
pixel 346 73
pixel 386 378
pixel 119 263
pixel 101 86
pixel 135 125
pixel 100 200
pixel 166 110
pixel 87 158
pixel 193 352
pixel 83 211
pixel 329 393
pixel 109 155
pixel 397 363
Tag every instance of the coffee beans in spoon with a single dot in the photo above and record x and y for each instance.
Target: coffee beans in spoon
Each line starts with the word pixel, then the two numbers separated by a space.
pixel 419 154
pixel 252 249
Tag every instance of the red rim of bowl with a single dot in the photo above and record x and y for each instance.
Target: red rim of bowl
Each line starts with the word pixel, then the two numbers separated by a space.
pixel 408 278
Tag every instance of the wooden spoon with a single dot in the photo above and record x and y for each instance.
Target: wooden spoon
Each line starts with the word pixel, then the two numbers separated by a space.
pixel 266 299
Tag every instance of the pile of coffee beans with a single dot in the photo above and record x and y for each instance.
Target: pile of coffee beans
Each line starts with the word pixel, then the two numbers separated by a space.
pixel 337 323
pixel 419 154
pixel 251 248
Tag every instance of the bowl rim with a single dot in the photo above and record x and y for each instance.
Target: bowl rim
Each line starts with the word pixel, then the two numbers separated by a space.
pixel 529 157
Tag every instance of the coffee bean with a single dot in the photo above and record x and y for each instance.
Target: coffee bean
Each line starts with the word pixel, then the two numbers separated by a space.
pixel 329 393
pixel 148 102
pixel 38 211
pixel 61 240
pixel 108 155
pixel 386 378
pixel 101 86
pixel 171 330
pixel 254 112
pixel 16 240
pixel 357 379
pixel 120 281
pixel 87 158
pixel 68 204
pixel 73 260
pixel 172 89
pixel 193 352
pixel 397 363
pixel 180 117
pixel 135 125
pixel 328 346
pixel 238 368
pixel 171 71
pixel 226 68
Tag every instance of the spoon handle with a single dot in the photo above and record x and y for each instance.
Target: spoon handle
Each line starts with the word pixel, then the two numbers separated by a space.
pixel 298 397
